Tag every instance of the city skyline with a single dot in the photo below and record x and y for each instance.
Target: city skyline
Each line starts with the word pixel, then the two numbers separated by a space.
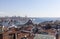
pixel 30 8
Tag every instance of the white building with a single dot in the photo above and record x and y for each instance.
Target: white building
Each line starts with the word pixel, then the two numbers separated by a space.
pixel 40 36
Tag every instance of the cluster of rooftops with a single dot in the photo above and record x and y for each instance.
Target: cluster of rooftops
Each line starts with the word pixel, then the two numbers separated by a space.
pixel 25 25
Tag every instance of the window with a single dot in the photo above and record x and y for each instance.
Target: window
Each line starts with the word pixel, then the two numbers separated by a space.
pixel 11 36
pixel 23 38
pixel 1 36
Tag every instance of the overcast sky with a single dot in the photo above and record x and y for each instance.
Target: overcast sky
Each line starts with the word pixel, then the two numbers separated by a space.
pixel 30 8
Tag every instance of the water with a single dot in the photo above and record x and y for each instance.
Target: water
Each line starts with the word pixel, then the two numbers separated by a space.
pixel 39 20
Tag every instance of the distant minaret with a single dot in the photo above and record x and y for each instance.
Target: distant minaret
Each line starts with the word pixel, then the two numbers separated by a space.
pixel 25 16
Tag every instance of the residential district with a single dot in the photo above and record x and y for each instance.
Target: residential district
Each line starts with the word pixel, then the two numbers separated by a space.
pixel 25 28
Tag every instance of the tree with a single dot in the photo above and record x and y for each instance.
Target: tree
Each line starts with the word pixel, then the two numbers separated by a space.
pixel 35 30
pixel 48 26
pixel 29 22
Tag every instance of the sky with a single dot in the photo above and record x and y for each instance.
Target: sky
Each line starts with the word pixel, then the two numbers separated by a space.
pixel 30 8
